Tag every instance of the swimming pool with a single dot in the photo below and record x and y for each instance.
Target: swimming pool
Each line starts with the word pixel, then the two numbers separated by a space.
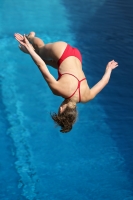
pixel 94 161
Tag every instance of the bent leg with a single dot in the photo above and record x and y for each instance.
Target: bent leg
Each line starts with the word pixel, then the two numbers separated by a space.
pixel 37 43
pixel 53 50
pixel 47 51
pixel 42 49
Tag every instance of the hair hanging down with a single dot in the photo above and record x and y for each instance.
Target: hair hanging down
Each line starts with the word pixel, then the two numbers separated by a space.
pixel 65 119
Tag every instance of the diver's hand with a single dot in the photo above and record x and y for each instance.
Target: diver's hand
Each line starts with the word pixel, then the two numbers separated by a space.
pixel 18 37
pixel 111 65
pixel 24 46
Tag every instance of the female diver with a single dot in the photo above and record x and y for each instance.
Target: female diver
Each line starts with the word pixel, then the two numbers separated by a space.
pixel 71 83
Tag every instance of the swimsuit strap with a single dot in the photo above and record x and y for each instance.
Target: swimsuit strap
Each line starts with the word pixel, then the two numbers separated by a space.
pixel 78 87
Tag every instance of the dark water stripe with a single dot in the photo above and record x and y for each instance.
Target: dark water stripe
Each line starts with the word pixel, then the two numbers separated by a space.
pixel 103 35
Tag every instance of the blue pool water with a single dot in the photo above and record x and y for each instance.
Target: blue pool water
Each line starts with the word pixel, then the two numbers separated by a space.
pixel 94 161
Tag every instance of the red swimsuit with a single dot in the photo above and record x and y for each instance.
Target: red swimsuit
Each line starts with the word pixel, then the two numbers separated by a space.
pixel 71 51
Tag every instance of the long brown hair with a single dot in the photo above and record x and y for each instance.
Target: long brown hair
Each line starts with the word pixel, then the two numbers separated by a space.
pixel 66 119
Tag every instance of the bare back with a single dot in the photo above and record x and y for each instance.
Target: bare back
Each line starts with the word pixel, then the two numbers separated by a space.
pixel 71 65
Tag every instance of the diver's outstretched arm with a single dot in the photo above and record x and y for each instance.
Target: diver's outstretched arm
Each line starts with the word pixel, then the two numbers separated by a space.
pixel 38 42
pixel 53 84
pixel 103 82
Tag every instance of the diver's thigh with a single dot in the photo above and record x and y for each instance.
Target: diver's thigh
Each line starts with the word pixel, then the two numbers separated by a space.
pixel 53 50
